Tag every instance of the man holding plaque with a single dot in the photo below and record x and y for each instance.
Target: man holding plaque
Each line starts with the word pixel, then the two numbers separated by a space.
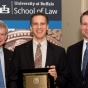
pixel 40 53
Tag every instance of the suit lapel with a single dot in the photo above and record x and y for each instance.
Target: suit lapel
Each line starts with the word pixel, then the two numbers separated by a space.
pixel 49 56
pixel 7 60
pixel 29 54
pixel 79 61
pixel 79 57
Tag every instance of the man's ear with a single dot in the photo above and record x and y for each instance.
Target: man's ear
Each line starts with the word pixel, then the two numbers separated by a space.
pixel 47 27
pixel 30 28
pixel 6 37
pixel 31 33
pixel 80 26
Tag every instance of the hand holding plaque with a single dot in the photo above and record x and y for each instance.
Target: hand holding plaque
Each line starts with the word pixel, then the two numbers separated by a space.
pixel 52 71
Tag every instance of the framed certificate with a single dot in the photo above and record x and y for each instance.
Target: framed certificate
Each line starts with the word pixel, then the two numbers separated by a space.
pixel 35 78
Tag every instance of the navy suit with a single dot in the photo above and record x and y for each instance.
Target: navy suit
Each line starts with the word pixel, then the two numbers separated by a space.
pixel 7 58
pixel 23 59
pixel 75 77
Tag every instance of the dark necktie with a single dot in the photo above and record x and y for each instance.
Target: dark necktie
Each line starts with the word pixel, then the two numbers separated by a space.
pixel 38 57
pixel 85 60
pixel 1 77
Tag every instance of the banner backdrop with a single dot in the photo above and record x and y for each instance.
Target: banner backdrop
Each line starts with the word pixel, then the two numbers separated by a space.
pixel 16 13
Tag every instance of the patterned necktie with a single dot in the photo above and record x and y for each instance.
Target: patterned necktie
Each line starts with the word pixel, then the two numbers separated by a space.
pixel 38 57
pixel 1 77
pixel 85 60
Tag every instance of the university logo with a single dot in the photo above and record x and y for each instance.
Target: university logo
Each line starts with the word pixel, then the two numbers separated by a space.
pixel 4 10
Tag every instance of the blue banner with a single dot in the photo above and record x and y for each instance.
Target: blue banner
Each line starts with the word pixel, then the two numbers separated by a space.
pixel 16 14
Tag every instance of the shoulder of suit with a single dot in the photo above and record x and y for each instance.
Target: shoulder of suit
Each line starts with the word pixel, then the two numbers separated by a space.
pixel 78 44
pixel 55 46
pixel 25 44
pixel 7 52
pixel 5 49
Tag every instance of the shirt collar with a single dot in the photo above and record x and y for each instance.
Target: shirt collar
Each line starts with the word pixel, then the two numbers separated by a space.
pixel 0 49
pixel 42 43
pixel 85 41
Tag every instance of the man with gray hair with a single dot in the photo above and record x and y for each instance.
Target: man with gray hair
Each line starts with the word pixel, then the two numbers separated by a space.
pixel 5 58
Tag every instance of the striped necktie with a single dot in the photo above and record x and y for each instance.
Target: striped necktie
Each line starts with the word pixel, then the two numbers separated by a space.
pixel 85 60
pixel 38 57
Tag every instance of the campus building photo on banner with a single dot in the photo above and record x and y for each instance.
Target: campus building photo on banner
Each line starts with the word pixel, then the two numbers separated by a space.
pixel 16 15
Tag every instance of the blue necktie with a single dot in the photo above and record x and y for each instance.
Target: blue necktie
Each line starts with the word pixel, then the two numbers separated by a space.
pixel 85 60
pixel 1 77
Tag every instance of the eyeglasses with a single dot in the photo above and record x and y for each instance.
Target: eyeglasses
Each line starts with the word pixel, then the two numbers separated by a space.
pixel 2 35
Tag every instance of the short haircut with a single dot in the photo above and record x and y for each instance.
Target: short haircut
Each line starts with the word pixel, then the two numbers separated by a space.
pixel 3 25
pixel 37 14
pixel 85 13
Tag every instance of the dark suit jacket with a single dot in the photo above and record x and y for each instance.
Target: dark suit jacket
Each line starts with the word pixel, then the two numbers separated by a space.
pixel 76 79
pixel 7 57
pixel 23 59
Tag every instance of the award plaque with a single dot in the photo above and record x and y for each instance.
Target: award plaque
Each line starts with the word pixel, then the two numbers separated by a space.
pixel 35 78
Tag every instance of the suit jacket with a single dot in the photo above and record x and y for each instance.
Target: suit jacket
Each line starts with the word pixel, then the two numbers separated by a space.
pixel 23 59
pixel 75 77
pixel 7 58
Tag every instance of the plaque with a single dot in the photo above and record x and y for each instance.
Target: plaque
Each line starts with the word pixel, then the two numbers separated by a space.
pixel 35 78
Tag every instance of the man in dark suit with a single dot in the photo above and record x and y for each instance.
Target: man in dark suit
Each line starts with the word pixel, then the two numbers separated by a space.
pixel 75 53
pixel 53 56
pixel 5 56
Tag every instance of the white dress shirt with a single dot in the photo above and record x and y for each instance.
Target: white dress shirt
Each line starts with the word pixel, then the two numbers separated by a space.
pixel 2 64
pixel 43 50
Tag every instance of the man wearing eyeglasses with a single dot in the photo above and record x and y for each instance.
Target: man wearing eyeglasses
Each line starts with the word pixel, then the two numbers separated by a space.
pixel 5 58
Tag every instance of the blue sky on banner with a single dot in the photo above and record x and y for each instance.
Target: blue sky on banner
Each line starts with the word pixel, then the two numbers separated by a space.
pixel 16 14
